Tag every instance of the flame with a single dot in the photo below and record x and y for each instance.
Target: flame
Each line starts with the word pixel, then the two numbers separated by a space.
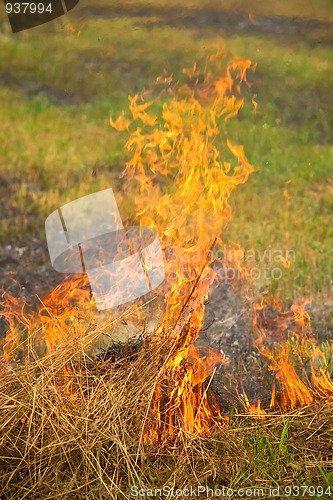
pixel 179 176
pixel 320 378
pixel 285 191
pixel 71 29
pixel 56 320
pixel 294 391
pixel 190 212
pixel 190 215
pixel 182 396
pixel 254 409
pixel 294 342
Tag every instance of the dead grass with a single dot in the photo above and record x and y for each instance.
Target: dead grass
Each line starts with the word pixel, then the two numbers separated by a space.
pixel 73 428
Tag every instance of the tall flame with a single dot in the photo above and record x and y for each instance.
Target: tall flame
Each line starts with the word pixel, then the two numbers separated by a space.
pixel 182 183
pixel 182 186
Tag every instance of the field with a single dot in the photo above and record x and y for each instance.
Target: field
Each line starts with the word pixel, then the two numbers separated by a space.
pixel 59 85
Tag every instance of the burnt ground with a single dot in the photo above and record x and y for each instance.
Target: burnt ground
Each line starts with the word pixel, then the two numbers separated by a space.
pixel 32 88
pixel 217 22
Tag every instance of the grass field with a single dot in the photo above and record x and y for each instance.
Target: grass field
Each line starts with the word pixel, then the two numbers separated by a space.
pixel 58 88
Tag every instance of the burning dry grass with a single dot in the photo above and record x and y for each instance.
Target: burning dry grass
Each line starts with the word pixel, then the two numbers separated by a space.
pixel 74 427
pixel 77 427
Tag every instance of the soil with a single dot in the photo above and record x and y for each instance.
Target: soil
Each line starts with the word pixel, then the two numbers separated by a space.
pixel 218 21
pixel 33 89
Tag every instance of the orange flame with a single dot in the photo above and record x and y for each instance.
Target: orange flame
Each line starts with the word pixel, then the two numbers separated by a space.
pixel 70 28
pixel 179 177
pixel 190 212
pixel 292 325
pixel 57 318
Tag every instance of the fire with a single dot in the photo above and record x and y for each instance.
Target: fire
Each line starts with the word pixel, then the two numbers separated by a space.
pixel 253 409
pixel 179 176
pixel 58 316
pixel 192 210
pixel 296 343
pixel 181 396
pixel 189 209
pixel 71 29
pixel 321 379
pixel 256 410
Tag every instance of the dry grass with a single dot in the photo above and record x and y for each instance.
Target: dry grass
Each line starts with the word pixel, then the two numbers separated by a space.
pixel 68 426
pixel 73 428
